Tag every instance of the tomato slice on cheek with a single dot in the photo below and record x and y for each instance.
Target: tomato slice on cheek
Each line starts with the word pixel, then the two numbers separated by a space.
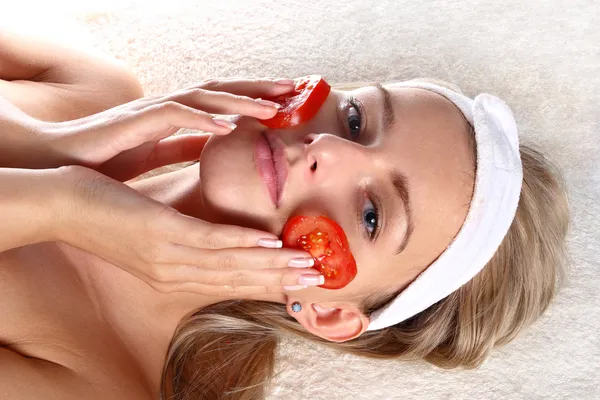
pixel 325 240
pixel 300 105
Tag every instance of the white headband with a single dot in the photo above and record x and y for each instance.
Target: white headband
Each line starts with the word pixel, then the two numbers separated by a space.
pixel 498 179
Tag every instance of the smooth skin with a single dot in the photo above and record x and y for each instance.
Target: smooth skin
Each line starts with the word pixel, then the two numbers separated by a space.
pixel 77 326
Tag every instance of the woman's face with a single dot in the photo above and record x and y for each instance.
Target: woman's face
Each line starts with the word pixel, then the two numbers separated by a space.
pixel 391 165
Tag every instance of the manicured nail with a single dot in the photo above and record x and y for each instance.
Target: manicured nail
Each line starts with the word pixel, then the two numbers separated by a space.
pixel 268 103
pixel 282 81
pixel 311 280
pixel 295 287
pixel 224 123
pixel 301 262
pixel 270 243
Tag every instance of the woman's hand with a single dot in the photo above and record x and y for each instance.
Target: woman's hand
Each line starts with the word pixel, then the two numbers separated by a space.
pixel 126 141
pixel 166 249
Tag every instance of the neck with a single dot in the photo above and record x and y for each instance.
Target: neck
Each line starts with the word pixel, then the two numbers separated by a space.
pixel 147 319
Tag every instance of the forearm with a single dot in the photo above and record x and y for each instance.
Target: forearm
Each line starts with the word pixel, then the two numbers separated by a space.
pixel 18 137
pixel 29 202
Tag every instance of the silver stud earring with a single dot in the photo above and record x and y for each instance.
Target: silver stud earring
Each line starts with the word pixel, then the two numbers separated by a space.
pixel 296 307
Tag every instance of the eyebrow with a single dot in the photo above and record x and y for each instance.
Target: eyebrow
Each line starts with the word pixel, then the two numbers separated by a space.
pixel 399 180
pixel 388 116
pixel 400 184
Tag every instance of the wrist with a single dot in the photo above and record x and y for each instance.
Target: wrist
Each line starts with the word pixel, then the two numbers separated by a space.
pixel 64 199
pixel 50 203
pixel 75 200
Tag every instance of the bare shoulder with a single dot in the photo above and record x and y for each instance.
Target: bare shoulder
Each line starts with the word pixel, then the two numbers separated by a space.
pixel 54 82
pixel 52 340
pixel 30 378
pixel 95 91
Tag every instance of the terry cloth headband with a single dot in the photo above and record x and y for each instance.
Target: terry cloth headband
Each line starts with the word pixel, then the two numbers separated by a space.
pixel 498 179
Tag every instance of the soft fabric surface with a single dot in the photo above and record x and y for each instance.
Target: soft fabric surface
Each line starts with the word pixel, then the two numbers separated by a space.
pixel 542 57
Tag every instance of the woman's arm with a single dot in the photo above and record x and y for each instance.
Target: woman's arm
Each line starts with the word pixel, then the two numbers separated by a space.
pixel 27 205
pixel 55 83
pixel 126 141
pixel 168 250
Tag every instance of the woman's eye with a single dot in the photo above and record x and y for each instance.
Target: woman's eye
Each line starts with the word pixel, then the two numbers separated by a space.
pixel 354 121
pixel 370 218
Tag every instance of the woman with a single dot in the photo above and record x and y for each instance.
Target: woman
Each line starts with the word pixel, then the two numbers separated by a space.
pixel 94 330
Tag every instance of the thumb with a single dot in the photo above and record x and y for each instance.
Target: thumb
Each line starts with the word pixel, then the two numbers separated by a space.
pixel 176 149
pixel 152 155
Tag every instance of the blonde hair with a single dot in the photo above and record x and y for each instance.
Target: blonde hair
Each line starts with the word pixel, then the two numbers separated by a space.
pixel 227 350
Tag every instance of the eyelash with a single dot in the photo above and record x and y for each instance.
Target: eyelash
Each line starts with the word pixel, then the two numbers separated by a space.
pixel 371 235
pixel 354 105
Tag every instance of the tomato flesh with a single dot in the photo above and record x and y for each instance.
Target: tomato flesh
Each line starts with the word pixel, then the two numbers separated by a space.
pixel 300 105
pixel 325 240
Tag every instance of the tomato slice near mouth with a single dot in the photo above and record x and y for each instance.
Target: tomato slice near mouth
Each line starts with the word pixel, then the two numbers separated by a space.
pixel 301 104
pixel 325 240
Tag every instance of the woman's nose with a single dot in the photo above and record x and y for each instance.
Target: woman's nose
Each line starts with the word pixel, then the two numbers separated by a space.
pixel 331 158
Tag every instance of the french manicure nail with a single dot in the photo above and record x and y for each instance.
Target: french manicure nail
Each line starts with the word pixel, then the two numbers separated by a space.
pixel 268 103
pixel 295 287
pixel 301 262
pixel 270 243
pixel 311 280
pixel 282 81
pixel 224 123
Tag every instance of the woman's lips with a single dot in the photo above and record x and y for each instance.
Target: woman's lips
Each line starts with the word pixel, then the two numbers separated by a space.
pixel 270 160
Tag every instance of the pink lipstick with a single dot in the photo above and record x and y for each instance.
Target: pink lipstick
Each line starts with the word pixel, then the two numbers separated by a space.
pixel 270 160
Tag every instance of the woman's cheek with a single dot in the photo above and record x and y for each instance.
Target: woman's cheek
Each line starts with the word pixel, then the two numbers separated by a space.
pixel 228 177
pixel 219 166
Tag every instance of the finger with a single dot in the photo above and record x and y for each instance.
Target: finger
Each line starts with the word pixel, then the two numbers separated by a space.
pixel 255 88
pixel 130 164
pixel 131 129
pixel 262 277
pixel 166 117
pixel 236 259
pixel 192 232
pixel 222 103
pixel 175 150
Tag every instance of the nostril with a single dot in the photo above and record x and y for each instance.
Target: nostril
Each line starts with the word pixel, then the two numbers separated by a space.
pixel 310 138
pixel 313 167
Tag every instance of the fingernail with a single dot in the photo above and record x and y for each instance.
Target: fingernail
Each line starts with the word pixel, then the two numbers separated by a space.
pixel 282 81
pixel 295 287
pixel 270 243
pixel 301 262
pixel 224 123
pixel 268 103
pixel 311 280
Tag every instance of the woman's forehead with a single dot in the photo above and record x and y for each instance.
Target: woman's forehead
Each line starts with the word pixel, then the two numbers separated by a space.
pixel 429 143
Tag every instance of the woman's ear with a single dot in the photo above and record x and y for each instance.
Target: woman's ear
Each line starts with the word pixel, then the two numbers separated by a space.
pixel 333 322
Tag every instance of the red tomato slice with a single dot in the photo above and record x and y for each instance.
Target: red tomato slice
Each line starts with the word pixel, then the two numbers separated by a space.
pixel 325 240
pixel 301 104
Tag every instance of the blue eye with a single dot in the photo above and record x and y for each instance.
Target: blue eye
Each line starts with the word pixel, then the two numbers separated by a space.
pixel 370 218
pixel 354 120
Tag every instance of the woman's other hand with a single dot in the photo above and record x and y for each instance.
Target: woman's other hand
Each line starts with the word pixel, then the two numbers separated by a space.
pixel 136 137
pixel 168 250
